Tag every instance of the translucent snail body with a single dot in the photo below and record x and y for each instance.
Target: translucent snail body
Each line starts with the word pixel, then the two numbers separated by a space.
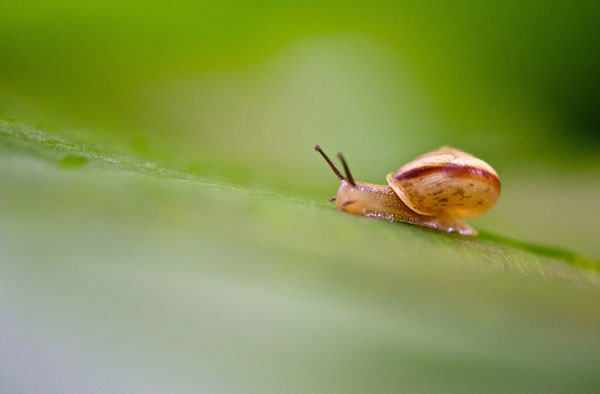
pixel 436 190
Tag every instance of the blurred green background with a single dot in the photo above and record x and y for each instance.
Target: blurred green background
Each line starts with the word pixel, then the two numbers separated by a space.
pixel 174 238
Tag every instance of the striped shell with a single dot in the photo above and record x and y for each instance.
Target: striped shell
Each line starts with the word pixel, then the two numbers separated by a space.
pixel 447 182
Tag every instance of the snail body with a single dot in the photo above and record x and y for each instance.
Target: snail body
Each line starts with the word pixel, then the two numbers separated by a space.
pixel 436 190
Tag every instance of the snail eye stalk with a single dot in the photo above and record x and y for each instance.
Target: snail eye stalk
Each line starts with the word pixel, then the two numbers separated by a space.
pixel 347 170
pixel 336 170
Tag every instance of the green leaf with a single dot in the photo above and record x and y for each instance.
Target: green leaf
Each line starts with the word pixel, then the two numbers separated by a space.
pixel 122 275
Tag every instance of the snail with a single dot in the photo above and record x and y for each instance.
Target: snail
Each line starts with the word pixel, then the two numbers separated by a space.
pixel 436 190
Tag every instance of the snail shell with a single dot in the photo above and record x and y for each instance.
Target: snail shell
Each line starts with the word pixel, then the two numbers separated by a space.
pixel 446 182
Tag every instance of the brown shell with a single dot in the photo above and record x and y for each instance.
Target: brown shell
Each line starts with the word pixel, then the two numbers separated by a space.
pixel 447 182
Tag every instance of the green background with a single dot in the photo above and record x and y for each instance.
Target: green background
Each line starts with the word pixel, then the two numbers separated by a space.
pixel 163 225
